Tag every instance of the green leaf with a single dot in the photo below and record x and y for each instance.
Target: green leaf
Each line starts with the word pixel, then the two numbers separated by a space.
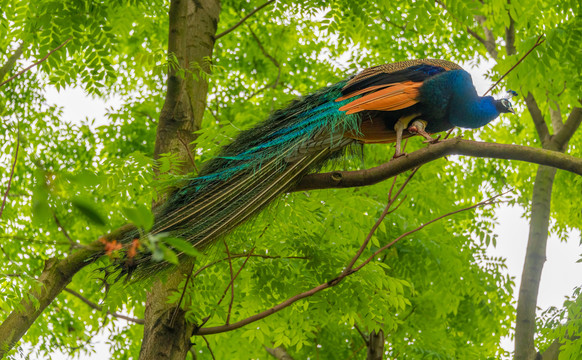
pixel 85 178
pixel 140 216
pixel 182 245
pixel 88 209
pixel 169 255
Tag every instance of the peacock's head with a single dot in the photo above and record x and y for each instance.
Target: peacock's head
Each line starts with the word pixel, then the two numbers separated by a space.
pixel 503 105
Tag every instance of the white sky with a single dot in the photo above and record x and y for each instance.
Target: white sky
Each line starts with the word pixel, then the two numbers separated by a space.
pixel 561 272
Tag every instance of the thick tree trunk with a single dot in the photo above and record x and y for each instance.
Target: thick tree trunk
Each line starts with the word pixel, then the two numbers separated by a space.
pixel 534 263
pixel 191 39
pixel 376 346
pixel 166 332
pixel 535 256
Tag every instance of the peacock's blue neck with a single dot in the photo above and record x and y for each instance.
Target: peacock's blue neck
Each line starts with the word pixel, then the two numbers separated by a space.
pixel 451 97
pixel 466 108
pixel 472 112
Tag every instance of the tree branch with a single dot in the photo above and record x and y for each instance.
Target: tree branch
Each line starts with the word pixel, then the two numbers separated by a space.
pixel 538 118
pixel 11 172
pixel 209 348
pixel 275 82
pixel 489 37
pixel 556 117
pixel 243 20
pixel 326 285
pixel 233 256
pixel 510 37
pixel 56 275
pixel 99 308
pixel 231 283
pixel 535 257
pixel 570 126
pixel 376 346
pixel 36 63
pixel 488 41
pixel 364 337
pixel 455 146
pixel 380 219
pixel 232 280
pixel 538 42
pixel 11 61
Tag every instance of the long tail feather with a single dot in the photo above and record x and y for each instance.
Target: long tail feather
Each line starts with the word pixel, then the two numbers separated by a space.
pixel 259 165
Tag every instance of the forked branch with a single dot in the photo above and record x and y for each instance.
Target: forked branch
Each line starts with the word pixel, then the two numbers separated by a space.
pixel 326 285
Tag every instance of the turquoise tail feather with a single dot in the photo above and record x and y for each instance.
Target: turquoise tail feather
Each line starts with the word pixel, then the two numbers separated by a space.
pixel 251 172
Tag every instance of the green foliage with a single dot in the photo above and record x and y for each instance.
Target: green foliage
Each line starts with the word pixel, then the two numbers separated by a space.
pixel 563 325
pixel 435 294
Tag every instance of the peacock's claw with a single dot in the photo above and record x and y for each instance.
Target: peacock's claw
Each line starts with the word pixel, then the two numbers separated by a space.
pixel 398 154
pixel 432 140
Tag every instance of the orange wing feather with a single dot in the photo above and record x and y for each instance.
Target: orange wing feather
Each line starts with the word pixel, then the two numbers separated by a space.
pixel 363 91
pixel 395 97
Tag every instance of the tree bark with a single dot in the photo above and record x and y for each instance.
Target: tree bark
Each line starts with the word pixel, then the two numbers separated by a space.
pixel 534 262
pixel 5 69
pixel 56 275
pixel 279 353
pixel 535 256
pixel 166 331
pixel 376 346
pixel 191 39
pixel 455 146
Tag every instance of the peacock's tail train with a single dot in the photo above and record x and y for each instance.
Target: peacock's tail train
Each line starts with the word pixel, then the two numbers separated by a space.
pixel 382 104
pixel 260 164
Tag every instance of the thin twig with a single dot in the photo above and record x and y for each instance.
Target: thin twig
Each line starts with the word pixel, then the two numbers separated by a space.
pixel 378 222
pixel 373 256
pixel 72 243
pixel 242 20
pixel 392 188
pixel 99 308
pixel 326 285
pixel 208 346
pixel 539 41
pixel 182 295
pixel 245 255
pixel 398 205
pixel 11 170
pixel 25 239
pixel 231 279
pixel 11 275
pixel 36 63
pixel 362 334
pixel 274 83
pixel 356 351
pixel 488 43
pixel 234 278
pixel 188 151
pixel 9 64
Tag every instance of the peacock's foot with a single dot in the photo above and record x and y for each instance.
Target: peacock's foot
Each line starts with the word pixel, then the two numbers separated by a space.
pixel 432 140
pixel 398 154
pixel 417 127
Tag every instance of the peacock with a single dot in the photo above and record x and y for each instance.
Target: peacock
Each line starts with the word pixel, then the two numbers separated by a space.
pixel 382 104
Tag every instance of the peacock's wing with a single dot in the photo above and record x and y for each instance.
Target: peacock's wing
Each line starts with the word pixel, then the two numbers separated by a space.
pixel 388 88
